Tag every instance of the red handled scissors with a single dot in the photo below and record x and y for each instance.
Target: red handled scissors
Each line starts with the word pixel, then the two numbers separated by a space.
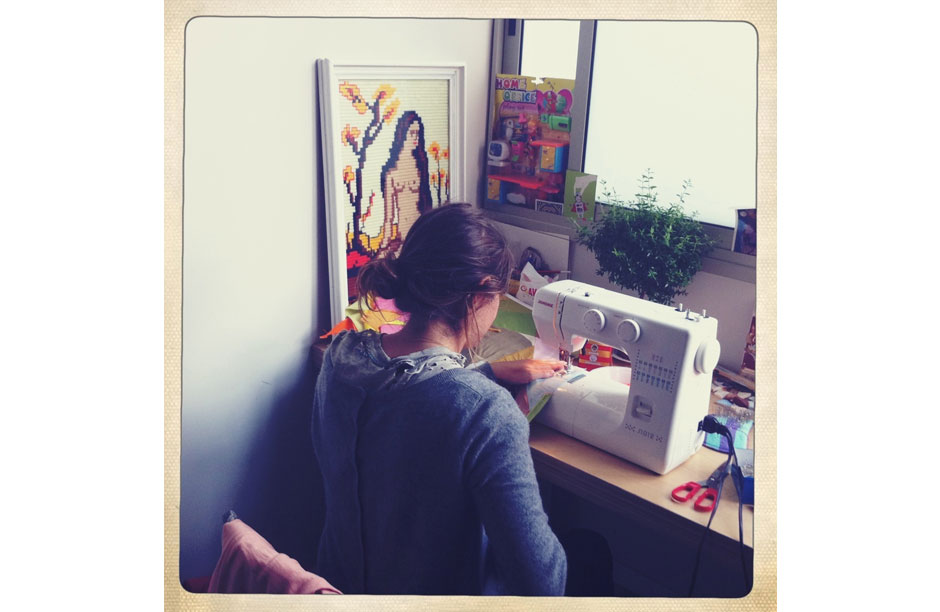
pixel 706 501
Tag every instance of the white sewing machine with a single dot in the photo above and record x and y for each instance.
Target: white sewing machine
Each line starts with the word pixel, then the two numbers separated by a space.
pixel 653 422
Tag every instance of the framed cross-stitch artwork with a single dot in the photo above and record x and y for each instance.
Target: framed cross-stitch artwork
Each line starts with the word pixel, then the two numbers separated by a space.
pixel 393 147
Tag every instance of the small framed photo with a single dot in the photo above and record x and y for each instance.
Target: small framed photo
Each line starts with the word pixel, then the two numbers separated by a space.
pixel 745 231
pixel 393 147
pixel 579 196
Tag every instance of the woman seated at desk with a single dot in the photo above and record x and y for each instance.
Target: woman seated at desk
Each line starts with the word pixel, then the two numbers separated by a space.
pixel 429 482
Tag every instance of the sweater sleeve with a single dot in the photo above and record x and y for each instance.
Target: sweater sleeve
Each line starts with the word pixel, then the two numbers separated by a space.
pixel 484 368
pixel 524 557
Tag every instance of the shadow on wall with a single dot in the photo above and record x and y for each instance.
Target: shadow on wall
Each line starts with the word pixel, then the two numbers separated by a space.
pixel 285 505
pixel 280 494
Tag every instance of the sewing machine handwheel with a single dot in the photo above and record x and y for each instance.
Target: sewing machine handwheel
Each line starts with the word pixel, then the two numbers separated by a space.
pixel 706 357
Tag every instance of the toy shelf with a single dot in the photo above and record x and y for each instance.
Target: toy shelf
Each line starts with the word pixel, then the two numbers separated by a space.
pixel 526 181
pixel 519 179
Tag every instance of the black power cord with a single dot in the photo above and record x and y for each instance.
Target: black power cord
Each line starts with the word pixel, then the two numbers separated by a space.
pixel 711 425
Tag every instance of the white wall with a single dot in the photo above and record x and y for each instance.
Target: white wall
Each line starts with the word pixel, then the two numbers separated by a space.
pixel 255 286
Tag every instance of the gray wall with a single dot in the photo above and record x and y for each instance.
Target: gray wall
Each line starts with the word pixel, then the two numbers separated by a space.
pixel 255 285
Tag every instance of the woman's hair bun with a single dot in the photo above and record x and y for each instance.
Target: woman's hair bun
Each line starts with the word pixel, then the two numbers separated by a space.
pixel 380 277
pixel 451 253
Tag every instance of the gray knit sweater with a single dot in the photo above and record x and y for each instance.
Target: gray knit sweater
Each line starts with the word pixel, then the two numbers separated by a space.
pixel 428 475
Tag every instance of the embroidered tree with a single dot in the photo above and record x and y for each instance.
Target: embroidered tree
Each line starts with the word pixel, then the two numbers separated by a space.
pixel 382 110
pixel 441 178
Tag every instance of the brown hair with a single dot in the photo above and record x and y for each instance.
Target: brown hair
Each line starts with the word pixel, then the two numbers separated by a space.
pixel 450 253
pixel 420 155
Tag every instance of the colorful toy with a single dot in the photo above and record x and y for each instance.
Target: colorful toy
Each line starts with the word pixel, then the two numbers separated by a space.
pixel 499 151
pixel 533 121
pixel 518 149
pixel 497 158
pixel 551 102
pixel 561 123
pixel 495 190
pixel 551 155
pixel 530 127
pixel 507 129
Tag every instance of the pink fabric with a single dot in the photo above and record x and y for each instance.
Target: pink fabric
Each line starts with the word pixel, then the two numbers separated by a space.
pixel 249 564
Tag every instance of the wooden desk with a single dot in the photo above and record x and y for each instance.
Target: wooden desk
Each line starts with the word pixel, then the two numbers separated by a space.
pixel 633 491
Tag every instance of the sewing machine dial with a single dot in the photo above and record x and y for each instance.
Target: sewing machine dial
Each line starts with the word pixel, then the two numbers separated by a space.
pixel 628 331
pixel 594 320
pixel 706 357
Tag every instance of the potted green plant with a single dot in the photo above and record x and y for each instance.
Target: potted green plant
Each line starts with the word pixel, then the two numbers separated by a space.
pixel 646 247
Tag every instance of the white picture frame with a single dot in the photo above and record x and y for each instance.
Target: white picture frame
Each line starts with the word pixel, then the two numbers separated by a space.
pixel 358 175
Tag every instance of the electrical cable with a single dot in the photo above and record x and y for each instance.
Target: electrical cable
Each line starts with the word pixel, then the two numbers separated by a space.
pixel 701 544
pixel 711 425
pixel 740 478
pixel 723 430
pixel 747 575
